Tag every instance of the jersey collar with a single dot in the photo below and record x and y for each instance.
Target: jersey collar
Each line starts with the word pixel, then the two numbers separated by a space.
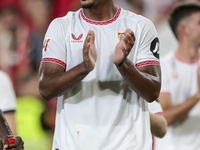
pixel 184 61
pixel 101 22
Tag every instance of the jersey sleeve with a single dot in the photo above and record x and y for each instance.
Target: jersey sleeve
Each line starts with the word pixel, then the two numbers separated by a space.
pixel 7 94
pixel 54 42
pixel 148 49
pixel 155 108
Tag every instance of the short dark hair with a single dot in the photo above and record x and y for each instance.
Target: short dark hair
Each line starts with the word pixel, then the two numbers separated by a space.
pixel 181 11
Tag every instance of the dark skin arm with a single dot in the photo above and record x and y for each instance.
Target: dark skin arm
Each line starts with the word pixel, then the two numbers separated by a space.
pixel 4 127
pixel 54 80
pixel 145 80
pixel 6 133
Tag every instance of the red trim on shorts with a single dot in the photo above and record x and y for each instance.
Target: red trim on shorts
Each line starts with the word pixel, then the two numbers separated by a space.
pixel 184 61
pixel 153 142
pixel 101 22
pixel 153 137
pixel 165 93
pixel 54 61
pixel 150 62
pixel 159 113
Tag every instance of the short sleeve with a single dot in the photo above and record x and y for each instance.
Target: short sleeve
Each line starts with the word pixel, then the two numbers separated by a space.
pixel 7 94
pixel 148 49
pixel 54 42
pixel 155 108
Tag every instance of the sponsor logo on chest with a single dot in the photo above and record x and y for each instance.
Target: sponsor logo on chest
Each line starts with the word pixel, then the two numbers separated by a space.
pixel 77 39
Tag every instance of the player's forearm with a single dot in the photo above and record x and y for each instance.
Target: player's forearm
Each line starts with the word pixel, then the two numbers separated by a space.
pixel 55 84
pixel 145 85
pixel 175 113
pixel 158 125
pixel 4 127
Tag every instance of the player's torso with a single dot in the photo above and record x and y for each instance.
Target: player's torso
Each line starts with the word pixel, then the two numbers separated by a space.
pixel 183 85
pixel 107 35
pixel 102 105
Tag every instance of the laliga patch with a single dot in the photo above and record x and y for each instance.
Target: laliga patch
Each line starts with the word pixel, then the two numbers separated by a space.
pixel 46 42
pixel 155 47
pixel 120 35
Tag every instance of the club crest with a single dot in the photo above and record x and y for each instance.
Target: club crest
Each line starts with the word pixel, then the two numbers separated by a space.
pixel 120 35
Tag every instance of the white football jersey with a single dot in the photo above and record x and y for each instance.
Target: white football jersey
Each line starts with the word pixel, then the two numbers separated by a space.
pixel 155 108
pixel 101 112
pixel 179 80
pixel 7 94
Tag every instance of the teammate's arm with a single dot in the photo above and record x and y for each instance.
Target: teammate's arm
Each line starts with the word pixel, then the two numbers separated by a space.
pixel 4 127
pixel 145 80
pixel 6 133
pixel 10 117
pixel 54 81
pixel 173 113
pixel 158 125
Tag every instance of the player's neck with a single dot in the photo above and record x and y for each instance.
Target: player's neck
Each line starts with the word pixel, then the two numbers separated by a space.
pixel 188 52
pixel 101 12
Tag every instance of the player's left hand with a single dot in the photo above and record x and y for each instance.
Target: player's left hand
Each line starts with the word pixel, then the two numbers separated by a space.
pixel 124 47
pixel 17 145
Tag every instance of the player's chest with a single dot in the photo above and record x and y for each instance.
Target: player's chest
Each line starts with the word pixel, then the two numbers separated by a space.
pixel 184 78
pixel 106 36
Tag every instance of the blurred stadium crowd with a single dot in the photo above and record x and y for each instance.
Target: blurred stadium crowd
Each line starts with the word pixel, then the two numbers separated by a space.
pixel 23 24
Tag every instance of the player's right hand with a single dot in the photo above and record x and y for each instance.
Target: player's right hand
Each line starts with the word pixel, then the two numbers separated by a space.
pixel 89 51
pixel 17 145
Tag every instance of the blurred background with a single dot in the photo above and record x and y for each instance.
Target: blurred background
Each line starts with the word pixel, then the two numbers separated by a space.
pixel 23 24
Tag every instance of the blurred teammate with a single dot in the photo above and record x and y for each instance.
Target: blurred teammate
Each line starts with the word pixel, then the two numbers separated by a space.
pixel 103 63
pixel 6 133
pixel 180 92
pixel 8 107
pixel 8 100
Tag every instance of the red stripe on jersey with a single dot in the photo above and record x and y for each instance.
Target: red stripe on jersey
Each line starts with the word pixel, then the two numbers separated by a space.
pixel 54 61
pixel 159 113
pixel 164 93
pixel 101 22
pixel 151 62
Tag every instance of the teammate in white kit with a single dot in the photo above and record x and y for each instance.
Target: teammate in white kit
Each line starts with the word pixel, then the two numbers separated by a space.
pixel 8 100
pixel 8 107
pixel 180 92
pixel 103 63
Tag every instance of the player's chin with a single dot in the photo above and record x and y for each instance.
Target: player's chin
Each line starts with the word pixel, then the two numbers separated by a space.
pixel 86 5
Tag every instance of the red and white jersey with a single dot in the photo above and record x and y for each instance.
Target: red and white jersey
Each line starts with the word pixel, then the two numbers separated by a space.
pixel 101 112
pixel 7 94
pixel 155 108
pixel 179 81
